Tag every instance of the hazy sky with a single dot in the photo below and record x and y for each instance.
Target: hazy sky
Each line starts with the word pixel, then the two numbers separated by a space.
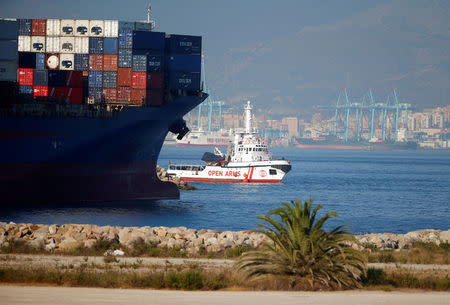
pixel 223 24
pixel 290 55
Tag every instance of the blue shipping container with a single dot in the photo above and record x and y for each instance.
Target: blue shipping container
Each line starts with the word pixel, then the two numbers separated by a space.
pixel 155 63
pixel 126 26
pixel 26 90
pixel 95 79
pixel 125 58
pixel 109 79
pixel 184 62
pixel 184 80
pixel 56 78
pixel 8 50
pixel 81 62
pixel 40 77
pixel 95 93
pixel 110 45
pixel 40 61
pixel 139 63
pixel 184 44
pixel 27 60
pixel 9 29
pixel 125 39
pixel 25 27
pixel 148 40
pixel 96 45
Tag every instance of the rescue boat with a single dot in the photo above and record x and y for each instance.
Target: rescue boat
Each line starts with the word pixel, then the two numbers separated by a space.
pixel 247 160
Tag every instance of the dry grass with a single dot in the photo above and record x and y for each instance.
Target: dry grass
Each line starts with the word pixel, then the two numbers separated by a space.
pixel 419 253
pixel 192 276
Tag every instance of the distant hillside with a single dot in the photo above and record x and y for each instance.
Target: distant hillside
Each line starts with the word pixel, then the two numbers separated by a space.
pixel 403 44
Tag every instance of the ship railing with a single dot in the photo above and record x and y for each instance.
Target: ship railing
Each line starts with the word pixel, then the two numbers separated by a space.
pixel 186 167
pixel 59 110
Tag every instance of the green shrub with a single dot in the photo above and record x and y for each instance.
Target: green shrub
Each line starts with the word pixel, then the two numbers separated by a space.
pixel 374 276
pixel 236 252
pixel 445 246
pixel 190 280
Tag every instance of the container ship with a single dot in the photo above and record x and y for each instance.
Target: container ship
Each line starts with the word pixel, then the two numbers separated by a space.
pixel 85 106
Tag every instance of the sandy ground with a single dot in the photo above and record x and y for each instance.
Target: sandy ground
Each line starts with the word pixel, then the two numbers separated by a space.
pixel 72 296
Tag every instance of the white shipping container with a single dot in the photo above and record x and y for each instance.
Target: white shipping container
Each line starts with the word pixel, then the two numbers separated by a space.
pixel 111 28
pixel 81 28
pixel 96 28
pixel 24 44
pixel 67 27
pixel 8 70
pixel 38 44
pixel 81 45
pixel 142 26
pixel 8 50
pixel 53 27
pixel 52 44
pixel 66 61
pixel 66 44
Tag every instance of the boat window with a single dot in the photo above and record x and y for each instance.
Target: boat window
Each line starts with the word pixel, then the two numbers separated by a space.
pixel 272 171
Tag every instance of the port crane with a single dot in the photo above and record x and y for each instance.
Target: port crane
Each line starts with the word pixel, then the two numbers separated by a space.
pixel 210 104
pixel 368 115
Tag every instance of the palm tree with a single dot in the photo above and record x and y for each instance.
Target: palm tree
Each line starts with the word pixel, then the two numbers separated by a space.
pixel 298 246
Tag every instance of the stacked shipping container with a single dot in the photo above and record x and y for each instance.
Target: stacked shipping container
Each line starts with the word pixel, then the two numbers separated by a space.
pixel 8 60
pixel 84 61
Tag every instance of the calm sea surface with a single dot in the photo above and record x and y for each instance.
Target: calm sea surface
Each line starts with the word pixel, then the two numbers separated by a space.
pixel 374 191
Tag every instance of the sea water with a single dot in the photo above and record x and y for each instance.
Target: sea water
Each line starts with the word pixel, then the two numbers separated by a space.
pixel 372 191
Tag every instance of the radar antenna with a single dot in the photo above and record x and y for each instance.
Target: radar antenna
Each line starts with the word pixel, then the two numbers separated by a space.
pixel 149 19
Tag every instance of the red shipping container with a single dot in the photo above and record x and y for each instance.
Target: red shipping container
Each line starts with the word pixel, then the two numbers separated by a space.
pixel 52 61
pixel 109 62
pixel 155 80
pixel 40 91
pixel 139 80
pixel 154 97
pixel 124 77
pixel 138 96
pixel 67 94
pixel 25 77
pixel 96 62
pixel 124 94
pixel 110 95
pixel 74 79
pixel 38 27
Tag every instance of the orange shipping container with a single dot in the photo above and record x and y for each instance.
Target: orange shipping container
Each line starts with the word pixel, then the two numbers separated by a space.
pixel 139 80
pixel 110 95
pixel 124 77
pixel 109 62
pixel 95 62
pixel 38 27
pixel 124 94
pixel 138 96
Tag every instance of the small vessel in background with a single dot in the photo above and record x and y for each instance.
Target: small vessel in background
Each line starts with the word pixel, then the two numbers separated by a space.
pixel 247 160
pixel 219 138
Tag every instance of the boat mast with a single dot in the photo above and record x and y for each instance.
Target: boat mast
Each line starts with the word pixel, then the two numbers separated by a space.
pixel 248 118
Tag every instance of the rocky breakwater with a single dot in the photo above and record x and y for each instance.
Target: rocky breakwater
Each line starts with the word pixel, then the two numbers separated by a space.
pixel 163 176
pixel 60 238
